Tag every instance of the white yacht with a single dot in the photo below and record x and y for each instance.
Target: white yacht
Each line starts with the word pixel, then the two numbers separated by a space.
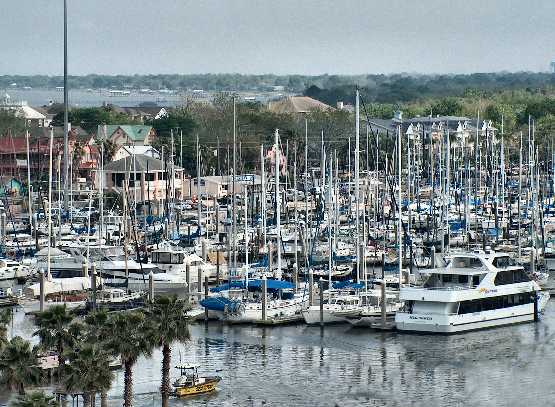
pixel 473 291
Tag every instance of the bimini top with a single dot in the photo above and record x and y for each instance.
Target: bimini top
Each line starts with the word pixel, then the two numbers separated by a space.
pixel 272 285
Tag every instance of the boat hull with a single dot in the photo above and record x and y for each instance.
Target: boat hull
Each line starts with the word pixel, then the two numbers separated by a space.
pixel 208 386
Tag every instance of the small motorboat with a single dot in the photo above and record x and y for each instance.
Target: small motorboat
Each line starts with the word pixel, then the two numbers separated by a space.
pixel 190 384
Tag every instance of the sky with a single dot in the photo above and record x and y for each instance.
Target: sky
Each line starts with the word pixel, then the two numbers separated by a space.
pixel 277 36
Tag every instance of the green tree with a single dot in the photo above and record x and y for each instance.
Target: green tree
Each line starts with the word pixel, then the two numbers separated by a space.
pixel 169 325
pixel 10 124
pixel 129 341
pixel 34 399
pixel 54 331
pixel 88 371
pixel 18 365
pixel 5 318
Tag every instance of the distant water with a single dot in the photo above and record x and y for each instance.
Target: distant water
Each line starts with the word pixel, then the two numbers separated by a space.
pixel 85 98
pixel 341 366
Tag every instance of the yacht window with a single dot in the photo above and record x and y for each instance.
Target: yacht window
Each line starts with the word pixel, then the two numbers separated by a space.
pixel 503 262
pixel 463 279
pixel 447 278
pixel 475 280
pixel 511 277
pixel 493 303
pixel 467 262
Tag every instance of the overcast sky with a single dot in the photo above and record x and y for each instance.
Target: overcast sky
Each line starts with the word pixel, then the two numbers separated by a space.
pixel 277 36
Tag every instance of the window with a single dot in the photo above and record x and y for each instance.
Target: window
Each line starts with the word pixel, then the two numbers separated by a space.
pixel 493 303
pixel 511 277
pixel 463 279
pixel 475 280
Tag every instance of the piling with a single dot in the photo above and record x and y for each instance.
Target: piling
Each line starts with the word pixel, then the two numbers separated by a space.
pixel 310 288
pixel 264 296
pixel 199 279
pixel 296 276
pixel 321 301
pixel 383 304
pixel 151 287
pixel 85 268
pixel 41 293
pixel 218 266
pixel 188 281
pixel 3 229
pixel 536 308
pixel 93 286
pixel 205 296
pixel 204 251
pixel 433 257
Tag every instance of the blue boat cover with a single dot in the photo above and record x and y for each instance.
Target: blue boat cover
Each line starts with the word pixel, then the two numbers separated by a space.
pixel 220 304
pixel 272 285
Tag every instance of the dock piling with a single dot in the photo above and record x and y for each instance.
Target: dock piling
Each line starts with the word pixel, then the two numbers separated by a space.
pixel 151 287
pixel 41 293
pixel 264 295
pixel 321 301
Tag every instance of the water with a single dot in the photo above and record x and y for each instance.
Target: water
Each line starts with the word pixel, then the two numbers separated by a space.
pixel 342 366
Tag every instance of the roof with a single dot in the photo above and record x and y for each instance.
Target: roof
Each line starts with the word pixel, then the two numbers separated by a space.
pixel 136 132
pixel 132 150
pixel 140 163
pixel 297 104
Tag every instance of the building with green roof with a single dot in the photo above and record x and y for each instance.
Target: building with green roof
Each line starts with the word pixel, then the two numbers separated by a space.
pixel 128 134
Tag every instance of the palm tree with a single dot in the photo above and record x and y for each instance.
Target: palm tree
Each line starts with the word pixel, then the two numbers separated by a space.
pixel 97 330
pixel 5 317
pixel 34 399
pixel 18 365
pixel 54 330
pixel 128 340
pixel 88 371
pixel 169 324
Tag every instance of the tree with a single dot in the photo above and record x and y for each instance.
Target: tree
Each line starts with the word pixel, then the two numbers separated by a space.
pixel 34 399
pixel 169 325
pixel 10 123
pixel 53 330
pixel 18 365
pixel 87 371
pixel 5 317
pixel 128 340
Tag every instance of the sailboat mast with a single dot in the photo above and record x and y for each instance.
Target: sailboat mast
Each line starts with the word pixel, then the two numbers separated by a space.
pixel 278 205
pixel 357 187
pixel 399 214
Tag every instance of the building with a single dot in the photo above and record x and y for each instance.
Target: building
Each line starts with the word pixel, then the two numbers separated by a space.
pixel 126 151
pixel 33 118
pixel 220 186
pixel 297 104
pixel 13 153
pixel 147 178
pixel 132 134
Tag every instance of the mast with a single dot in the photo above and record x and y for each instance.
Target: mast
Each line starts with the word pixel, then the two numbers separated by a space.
pixel 246 239
pixel 50 202
pixel 29 191
pixel 233 217
pixel 330 216
pixel 357 188
pixel 66 112
pixel 199 200
pixel 278 206
pixel 399 219
pixel 519 194
pixel 263 196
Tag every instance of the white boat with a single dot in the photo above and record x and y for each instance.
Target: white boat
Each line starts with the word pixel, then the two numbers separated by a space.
pixel 473 291
pixel 336 308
